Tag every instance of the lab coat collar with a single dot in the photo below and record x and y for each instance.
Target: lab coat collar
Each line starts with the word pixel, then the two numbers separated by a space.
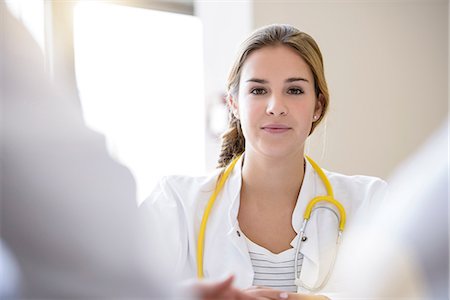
pixel 232 191
pixel 307 192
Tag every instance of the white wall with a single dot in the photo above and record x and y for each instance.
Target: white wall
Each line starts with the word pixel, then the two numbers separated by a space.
pixel 386 64
pixel 225 25
pixel 387 68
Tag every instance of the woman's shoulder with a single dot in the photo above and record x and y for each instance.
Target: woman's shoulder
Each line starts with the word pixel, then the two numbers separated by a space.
pixel 184 188
pixel 184 182
pixel 361 186
pixel 359 194
pixel 354 180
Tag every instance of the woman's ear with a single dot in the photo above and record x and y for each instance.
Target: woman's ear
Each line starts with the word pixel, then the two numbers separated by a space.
pixel 318 110
pixel 233 103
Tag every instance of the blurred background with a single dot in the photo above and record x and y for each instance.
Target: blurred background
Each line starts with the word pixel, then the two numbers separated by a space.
pixel 151 75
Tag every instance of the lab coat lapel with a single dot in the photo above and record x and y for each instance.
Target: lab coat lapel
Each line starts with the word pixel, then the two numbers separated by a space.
pixel 233 192
pixel 240 265
pixel 243 269
pixel 311 187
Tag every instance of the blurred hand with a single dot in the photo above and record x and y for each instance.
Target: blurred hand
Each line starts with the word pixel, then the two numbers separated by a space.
pixel 222 290
pixel 273 294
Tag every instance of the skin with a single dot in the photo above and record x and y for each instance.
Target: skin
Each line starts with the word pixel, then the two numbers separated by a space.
pixel 220 290
pixel 276 105
pixel 224 290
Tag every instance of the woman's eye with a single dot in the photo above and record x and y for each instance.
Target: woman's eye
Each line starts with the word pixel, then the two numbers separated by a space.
pixel 258 91
pixel 295 91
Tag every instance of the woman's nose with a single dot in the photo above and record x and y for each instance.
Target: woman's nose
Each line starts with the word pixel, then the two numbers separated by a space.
pixel 276 106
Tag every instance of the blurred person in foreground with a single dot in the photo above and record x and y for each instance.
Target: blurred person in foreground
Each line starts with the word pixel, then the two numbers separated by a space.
pixel 402 251
pixel 70 227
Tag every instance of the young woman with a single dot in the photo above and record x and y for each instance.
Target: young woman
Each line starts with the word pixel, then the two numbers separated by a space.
pixel 277 95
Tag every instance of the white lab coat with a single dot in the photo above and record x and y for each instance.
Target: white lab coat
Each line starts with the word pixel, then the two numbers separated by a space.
pixel 177 205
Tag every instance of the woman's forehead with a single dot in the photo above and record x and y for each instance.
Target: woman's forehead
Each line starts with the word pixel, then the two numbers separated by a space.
pixel 275 63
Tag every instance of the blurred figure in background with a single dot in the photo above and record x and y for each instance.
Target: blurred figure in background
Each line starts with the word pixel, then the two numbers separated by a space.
pixel 70 227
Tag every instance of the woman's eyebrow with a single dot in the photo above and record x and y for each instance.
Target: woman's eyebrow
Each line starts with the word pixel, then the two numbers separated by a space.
pixel 293 79
pixel 257 80
pixel 263 81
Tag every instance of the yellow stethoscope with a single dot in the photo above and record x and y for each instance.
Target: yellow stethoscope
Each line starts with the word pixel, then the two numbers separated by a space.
pixel 307 214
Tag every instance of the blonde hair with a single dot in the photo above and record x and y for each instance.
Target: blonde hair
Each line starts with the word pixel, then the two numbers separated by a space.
pixel 233 141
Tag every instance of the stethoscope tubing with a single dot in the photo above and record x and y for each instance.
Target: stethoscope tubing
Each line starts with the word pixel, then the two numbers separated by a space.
pixel 308 211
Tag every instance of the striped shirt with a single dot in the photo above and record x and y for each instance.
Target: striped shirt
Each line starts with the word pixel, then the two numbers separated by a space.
pixel 273 270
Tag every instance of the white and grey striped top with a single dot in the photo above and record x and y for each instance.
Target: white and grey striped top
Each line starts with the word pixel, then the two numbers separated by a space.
pixel 273 270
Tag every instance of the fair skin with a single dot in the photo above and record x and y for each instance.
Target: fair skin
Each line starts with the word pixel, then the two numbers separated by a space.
pixel 224 290
pixel 276 104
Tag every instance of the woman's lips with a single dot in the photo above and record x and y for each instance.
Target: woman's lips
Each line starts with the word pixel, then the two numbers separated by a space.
pixel 276 128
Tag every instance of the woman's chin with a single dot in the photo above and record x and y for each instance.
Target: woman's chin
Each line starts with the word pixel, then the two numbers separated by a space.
pixel 280 152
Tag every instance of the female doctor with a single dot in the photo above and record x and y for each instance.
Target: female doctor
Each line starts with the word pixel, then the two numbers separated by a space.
pixel 252 226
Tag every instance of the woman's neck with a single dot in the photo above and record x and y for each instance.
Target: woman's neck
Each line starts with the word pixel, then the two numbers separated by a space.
pixel 271 179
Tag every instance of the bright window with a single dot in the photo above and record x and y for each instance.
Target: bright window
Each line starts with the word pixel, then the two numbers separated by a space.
pixel 140 77
pixel 31 13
